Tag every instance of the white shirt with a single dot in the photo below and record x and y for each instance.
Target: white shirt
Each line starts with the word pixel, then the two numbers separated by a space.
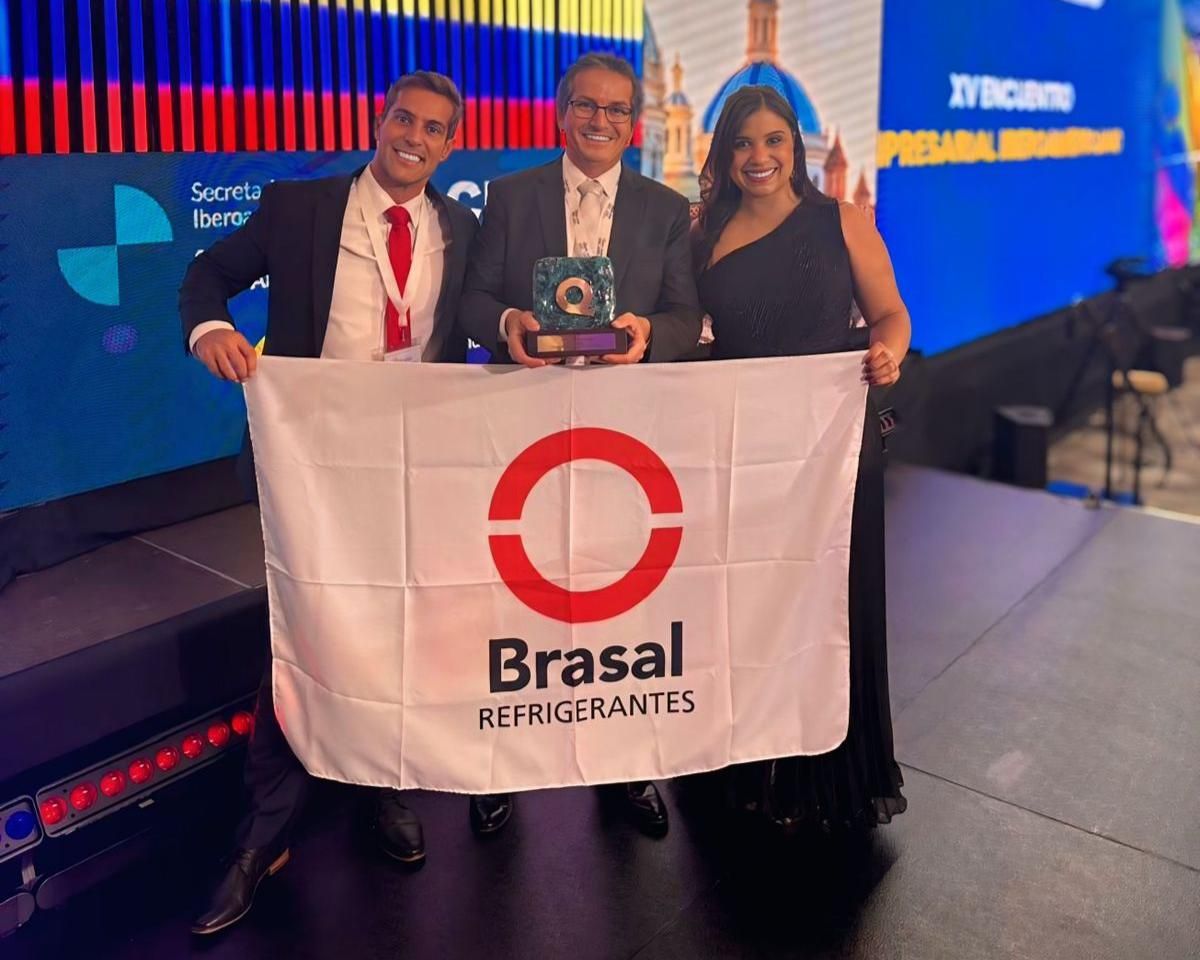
pixel 355 328
pixel 572 178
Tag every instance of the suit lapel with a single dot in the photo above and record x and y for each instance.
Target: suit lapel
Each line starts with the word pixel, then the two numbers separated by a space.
pixel 453 252
pixel 552 210
pixel 327 239
pixel 622 243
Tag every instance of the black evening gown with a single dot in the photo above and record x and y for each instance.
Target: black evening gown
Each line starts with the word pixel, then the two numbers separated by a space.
pixel 789 293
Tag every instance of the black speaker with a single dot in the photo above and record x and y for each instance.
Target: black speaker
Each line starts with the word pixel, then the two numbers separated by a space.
pixel 1020 439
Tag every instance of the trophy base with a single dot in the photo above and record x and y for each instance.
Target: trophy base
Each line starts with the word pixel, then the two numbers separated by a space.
pixel 549 345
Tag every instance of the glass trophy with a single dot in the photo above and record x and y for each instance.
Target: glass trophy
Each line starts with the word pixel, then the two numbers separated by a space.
pixel 573 303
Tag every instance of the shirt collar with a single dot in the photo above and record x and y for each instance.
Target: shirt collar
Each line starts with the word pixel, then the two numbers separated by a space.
pixel 573 177
pixel 376 202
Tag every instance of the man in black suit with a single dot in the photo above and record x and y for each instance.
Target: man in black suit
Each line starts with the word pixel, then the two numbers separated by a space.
pixel 586 203
pixel 360 267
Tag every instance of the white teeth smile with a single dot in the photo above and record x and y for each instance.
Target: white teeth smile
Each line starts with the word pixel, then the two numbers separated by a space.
pixel 596 138
pixel 410 157
pixel 761 174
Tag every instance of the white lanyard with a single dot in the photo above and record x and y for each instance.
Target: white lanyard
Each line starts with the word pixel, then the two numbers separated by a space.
pixel 379 245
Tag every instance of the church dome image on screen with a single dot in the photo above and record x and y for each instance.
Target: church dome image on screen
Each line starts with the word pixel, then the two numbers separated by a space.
pixel 767 74
pixel 677 137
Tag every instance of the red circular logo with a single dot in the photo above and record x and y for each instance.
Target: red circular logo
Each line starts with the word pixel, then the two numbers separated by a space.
pixel 508 501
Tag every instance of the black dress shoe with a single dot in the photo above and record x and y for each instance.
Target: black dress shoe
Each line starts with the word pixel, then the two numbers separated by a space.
pixel 644 806
pixel 490 813
pixel 397 828
pixel 234 895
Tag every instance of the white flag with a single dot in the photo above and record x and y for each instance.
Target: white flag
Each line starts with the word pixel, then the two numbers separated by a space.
pixel 488 579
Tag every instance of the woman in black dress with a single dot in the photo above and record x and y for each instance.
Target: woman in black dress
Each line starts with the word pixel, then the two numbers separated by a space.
pixel 780 266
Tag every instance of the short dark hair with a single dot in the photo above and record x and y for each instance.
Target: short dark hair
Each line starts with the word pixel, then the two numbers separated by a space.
pixel 599 61
pixel 437 83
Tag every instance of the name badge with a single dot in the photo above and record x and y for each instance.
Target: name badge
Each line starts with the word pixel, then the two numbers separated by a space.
pixel 409 354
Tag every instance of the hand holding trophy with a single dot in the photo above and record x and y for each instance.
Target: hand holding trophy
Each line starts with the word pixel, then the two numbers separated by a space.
pixel 573 303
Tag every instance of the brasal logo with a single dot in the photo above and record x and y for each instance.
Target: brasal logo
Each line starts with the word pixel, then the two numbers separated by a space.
pixel 519 479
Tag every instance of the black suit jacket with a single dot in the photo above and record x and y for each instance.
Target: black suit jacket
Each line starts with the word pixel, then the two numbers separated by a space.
pixel 525 219
pixel 294 237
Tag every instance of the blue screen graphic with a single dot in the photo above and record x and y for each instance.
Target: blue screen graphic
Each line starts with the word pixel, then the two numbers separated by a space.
pixel 98 389
pixel 1015 155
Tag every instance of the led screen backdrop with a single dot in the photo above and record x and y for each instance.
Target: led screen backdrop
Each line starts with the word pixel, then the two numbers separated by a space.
pixel 229 75
pixel 136 132
pixel 1011 149
pixel 821 55
pixel 1007 146
pixel 1015 155
pixel 1177 134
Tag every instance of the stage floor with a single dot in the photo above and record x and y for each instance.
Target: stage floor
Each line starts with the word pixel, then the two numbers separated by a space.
pixel 1045 663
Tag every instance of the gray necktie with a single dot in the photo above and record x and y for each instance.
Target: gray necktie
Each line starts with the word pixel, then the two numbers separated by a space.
pixel 587 224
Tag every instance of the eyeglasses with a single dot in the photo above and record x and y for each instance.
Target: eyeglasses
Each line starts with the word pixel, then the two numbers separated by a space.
pixel 586 109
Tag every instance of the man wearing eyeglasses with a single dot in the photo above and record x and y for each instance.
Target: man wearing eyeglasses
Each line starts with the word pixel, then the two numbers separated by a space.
pixel 585 204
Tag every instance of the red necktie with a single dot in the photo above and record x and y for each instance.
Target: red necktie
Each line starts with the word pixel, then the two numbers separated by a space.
pixel 399 335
